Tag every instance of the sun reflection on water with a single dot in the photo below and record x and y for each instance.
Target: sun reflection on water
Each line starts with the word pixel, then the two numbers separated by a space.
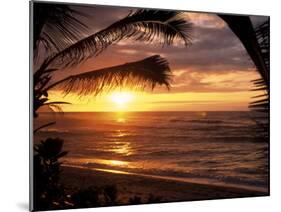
pixel 123 149
pixel 117 162
pixel 120 117
pixel 95 161
pixel 120 133
pixel 202 114
pixel 120 143
pixel 121 120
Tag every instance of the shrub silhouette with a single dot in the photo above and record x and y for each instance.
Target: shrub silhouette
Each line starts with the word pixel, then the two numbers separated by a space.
pixel 95 197
pixel 85 198
pixel 153 199
pixel 110 194
pixel 48 192
pixel 135 200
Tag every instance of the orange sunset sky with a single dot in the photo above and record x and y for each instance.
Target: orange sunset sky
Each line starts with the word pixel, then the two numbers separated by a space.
pixel 213 74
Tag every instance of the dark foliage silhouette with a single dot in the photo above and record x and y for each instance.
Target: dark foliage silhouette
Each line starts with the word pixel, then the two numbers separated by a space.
pixel 63 36
pixel 55 26
pixel 95 197
pixel 89 197
pixel 153 199
pixel 136 75
pixel 48 192
pixel 256 43
pixel 110 194
pixel 135 200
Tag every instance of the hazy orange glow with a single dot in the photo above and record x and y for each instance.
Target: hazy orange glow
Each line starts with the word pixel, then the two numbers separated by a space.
pixel 143 101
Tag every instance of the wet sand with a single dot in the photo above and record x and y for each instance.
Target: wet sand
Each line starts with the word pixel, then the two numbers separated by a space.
pixel 142 186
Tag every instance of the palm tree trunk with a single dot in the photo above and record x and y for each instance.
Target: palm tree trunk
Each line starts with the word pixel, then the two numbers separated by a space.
pixel 242 27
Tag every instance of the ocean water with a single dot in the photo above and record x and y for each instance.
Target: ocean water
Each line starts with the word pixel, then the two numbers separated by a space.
pixel 210 147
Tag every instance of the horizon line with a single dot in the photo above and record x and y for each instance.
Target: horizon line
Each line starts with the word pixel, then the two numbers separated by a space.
pixel 147 111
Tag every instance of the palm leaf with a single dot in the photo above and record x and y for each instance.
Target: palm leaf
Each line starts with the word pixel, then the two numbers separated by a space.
pixel 261 102
pixel 55 108
pixel 251 40
pixel 256 43
pixel 135 75
pixel 143 25
pixel 43 126
pixel 262 33
pixel 261 95
pixel 56 26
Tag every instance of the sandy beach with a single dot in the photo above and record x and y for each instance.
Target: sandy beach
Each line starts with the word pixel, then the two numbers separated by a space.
pixel 142 186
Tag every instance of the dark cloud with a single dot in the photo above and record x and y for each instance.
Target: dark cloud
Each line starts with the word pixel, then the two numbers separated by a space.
pixel 214 50
pixel 99 17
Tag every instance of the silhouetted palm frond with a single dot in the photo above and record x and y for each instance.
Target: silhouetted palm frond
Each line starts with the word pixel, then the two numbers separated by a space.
pixel 244 30
pixel 256 43
pixel 262 33
pixel 44 126
pixel 260 105
pixel 143 25
pixel 135 75
pixel 56 26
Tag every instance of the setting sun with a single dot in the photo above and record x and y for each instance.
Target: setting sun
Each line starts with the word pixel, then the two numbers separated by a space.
pixel 121 99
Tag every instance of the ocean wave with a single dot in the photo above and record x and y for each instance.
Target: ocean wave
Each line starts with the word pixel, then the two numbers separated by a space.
pixel 211 175
pixel 53 130
pixel 169 153
pixel 251 171
pixel 201 121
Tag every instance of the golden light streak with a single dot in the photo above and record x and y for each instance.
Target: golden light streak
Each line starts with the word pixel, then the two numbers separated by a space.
pixel 187 101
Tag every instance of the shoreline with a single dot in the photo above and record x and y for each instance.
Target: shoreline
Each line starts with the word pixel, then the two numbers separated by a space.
pixel 175 178
pixel 169 189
